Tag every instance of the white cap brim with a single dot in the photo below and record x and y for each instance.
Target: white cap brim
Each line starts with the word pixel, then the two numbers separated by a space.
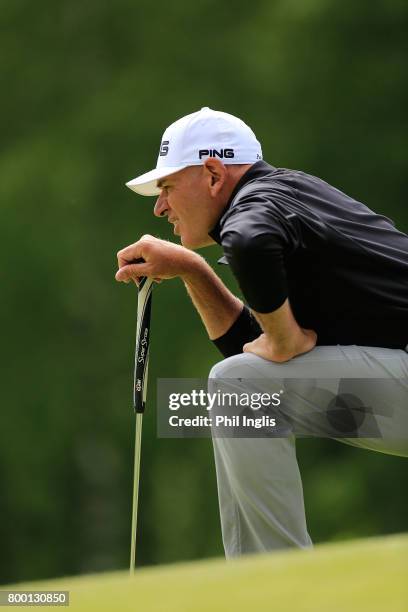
pixel 146 184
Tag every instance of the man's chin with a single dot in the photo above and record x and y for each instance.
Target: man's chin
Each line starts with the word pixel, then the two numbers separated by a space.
pixel 194 243
pixel 188 244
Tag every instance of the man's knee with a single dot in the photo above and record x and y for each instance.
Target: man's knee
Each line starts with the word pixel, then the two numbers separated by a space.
pixel 245 365
pixel 224 368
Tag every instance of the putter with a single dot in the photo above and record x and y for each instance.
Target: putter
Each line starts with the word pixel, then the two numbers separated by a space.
pixel 144 303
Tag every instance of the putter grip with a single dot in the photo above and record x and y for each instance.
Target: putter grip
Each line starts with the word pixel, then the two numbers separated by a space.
pixel 142 342
pixel 136 261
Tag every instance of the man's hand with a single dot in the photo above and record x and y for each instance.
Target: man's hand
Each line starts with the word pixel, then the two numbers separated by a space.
pixel 162 259
pixel 283 338
pixel 265 347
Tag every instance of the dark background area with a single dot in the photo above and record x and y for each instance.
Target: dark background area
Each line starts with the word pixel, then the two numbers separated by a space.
pixel 87 90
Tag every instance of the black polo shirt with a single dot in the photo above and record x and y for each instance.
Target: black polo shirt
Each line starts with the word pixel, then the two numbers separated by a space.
pixel 344 268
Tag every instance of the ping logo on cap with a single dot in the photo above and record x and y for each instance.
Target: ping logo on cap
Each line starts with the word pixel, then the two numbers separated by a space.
pixel 164 148
pixel 222 153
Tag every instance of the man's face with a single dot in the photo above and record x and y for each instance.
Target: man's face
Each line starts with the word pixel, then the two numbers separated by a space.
pixel 186 202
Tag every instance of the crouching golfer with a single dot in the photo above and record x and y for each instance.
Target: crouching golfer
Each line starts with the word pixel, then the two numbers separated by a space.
pixel 325 282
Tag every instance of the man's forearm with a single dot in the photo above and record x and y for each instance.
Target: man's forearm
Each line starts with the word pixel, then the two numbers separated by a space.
pixel 216 305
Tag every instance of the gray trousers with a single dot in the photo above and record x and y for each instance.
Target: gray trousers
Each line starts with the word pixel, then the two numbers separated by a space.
pixel 259 485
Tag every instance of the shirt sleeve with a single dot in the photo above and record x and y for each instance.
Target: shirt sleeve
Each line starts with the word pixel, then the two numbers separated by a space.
pixel 245 329
pixel 256 237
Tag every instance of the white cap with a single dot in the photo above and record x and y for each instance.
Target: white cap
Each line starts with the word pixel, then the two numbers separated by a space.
pixel 189 141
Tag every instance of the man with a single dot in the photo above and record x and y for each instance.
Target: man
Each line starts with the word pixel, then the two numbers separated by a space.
pixel 325 281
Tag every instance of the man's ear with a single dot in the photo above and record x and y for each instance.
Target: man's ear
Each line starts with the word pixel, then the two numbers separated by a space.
pixel 215 174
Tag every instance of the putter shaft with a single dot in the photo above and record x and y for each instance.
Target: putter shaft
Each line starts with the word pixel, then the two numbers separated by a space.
pixel 136 479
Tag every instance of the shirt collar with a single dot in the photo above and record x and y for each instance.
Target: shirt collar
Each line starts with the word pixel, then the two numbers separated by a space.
pixel 256 171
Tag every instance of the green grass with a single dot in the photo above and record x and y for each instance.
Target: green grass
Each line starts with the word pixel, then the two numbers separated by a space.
pixel 360 575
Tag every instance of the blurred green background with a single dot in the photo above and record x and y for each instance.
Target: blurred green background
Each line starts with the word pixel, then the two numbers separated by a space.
pixel 87 90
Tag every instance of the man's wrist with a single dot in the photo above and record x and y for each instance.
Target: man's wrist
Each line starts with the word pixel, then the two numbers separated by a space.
pixel 194 267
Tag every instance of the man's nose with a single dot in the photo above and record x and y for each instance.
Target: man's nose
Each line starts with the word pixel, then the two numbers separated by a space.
pixel 161 207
